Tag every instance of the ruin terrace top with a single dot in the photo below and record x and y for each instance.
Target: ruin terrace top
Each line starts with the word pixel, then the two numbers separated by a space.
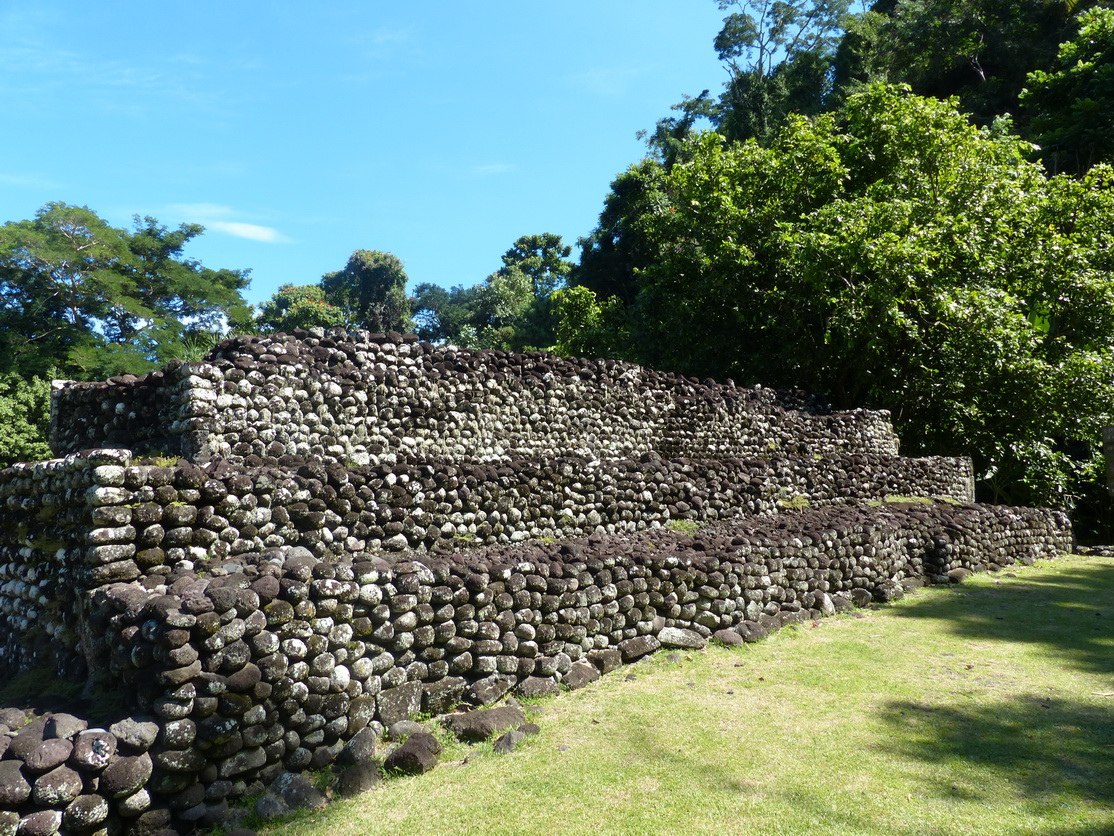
pixel 352 397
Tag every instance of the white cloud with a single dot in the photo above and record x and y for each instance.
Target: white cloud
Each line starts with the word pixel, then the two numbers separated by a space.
pixel 253 232
pixel 220 218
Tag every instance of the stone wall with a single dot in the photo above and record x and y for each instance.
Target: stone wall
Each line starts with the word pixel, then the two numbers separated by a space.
pixel 361 527
pixel 269 661
pixel 361 398
pixel 71 525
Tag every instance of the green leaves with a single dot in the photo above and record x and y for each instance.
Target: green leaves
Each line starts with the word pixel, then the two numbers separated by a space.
pixel 24 418
pixel 891 255
pixel 1073 105
pixel 371 291
pixel 299 306
pixel 95 300
pixel 780 55
pixel 511 309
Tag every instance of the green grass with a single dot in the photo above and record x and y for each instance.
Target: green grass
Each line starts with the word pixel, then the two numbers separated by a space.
pixel 982 709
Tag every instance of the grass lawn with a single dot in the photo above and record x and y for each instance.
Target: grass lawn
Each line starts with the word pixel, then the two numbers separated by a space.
pixel 984 709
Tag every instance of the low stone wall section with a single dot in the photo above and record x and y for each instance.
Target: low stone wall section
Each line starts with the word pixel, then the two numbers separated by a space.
pixel 354 397
pixel 243 668
pixel 72 525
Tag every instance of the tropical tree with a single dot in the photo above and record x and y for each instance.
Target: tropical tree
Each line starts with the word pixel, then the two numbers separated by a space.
pixel 544 258
pixel 299 306
pixel 587 327
pixel 502 304
pixel 1073 103
pixel 978 50
pixel 24 418
pixel 893 256
pixel 445 315
pixel 511 309
pixel 371 291
pixel 779 55
pixel 613 253
pixel 90 299
pixel 534 268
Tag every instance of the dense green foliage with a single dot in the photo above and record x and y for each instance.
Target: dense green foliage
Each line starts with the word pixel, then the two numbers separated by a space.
pixel 24 418
pixel 890 255
pixel 779 55
pixel 978 50
pixel 445 316
pixel 92 300
pixel 587 327
pixel 371 291
pixel 298 306
pixel 81 298
pixel 511 309
pixel 882 252
pixel 806 56
pixel 1074 102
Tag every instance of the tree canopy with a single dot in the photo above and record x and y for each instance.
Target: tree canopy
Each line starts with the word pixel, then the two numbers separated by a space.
pixel 779 55
pixel 298 306
pixel 371 291
pixel 1073 103
pixel 806 56
pixel 891 255
pixel 24 418
pixel 511 309
pixel 92 300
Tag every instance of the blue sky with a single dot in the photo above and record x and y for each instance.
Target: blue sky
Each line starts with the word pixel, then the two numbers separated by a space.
pixel 297 133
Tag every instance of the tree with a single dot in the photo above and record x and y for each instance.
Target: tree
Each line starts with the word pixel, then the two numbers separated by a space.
pixel 511 309
pixel 371 290
pixel 503 302
pixel 1072 106
pixel 299 306
pixel 543 258
pixel 587 327
pixel 613 253
pixel 978 50
pixel 779 56
pixel 24 418
pixel 533 269
pixel 670 133
pixel 893 256
pixel 859 60
pixel 91 299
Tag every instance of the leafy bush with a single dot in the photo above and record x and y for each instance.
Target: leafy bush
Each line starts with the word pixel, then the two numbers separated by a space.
pixel 891 255
pixel 24 419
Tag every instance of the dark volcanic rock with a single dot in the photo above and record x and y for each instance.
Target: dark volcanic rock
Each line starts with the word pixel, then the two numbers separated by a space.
pixel 415 756
pixel 358 778
pixel 580 674
pixel 482 723
pixel 14 786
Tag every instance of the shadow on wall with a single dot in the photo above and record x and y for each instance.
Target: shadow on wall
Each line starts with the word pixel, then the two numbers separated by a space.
pixel 1070 613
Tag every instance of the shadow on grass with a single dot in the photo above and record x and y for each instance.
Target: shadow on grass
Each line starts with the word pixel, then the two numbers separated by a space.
pixel 1048 750
pixel 1071 613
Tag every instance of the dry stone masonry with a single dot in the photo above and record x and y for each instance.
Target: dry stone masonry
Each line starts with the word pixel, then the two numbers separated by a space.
pixel 373 399
pixel 347 529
